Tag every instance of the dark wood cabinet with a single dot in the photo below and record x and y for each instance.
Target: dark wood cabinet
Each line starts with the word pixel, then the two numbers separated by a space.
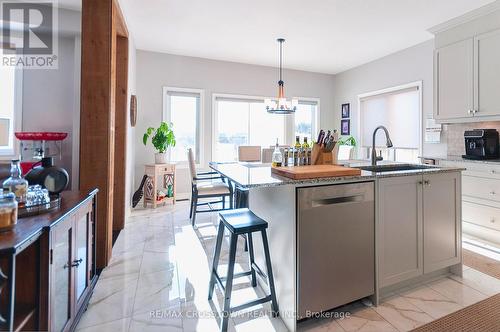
pixel 47 267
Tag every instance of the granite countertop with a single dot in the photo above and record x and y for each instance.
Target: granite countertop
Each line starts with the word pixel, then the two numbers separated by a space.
pixel 252 175
pixel 460 159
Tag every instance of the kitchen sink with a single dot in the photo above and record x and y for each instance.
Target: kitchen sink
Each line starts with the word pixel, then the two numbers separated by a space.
pixel 393 167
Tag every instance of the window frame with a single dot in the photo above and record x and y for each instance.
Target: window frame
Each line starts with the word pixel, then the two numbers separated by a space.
pixel 17 115
pixel 315 124
pixel 402 87
pixel 289 120
pixel 215 115
pixel 166 116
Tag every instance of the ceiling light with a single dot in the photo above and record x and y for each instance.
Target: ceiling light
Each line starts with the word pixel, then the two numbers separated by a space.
pixel 281 105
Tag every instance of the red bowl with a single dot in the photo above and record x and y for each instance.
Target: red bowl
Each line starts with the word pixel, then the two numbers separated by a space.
pixel 41 136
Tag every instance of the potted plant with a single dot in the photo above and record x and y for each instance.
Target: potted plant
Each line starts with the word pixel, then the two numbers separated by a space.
pixel 162 138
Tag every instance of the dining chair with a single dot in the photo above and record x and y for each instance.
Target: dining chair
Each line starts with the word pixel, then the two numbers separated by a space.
pixel 203 186
pixel 267 155
pixel 249 153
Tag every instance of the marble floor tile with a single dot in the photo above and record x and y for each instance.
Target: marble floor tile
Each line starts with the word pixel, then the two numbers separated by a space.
pixel 319 325
pixel 112 299
pixel 430 301
pixel 160 320
pixel 157 261
pixel 460 293
pixel 363 319
pixel 479 281
pixel 401 313
pixel 120 325
pixel 157 290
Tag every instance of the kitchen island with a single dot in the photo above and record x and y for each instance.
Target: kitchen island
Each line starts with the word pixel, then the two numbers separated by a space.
pixel 336 240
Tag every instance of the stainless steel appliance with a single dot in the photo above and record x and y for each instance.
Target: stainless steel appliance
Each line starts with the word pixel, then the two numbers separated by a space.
pixel 336 245
pixel 481 144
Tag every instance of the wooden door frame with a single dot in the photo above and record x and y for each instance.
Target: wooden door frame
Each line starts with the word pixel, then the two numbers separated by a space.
pixel 101 94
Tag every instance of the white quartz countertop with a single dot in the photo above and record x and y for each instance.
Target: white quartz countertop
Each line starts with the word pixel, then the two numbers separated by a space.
pixel 465 160
pixel 251 175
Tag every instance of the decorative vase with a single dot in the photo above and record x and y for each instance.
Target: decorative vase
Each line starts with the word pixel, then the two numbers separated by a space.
pixel 160 158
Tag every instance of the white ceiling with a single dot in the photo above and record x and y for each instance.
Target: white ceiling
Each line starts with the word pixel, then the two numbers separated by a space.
pixel 326 36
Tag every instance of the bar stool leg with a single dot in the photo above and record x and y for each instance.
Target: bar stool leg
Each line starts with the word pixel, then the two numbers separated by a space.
pixel 229 283
pixel 195 207
pixel 218 245
pixel 251 259
pixel 274 302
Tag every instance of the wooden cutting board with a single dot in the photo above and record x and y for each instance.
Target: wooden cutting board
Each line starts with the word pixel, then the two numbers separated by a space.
pixel 315 171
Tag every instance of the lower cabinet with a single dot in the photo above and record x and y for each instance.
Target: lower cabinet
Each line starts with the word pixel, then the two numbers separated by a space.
pixel 71 267
pixel 418 225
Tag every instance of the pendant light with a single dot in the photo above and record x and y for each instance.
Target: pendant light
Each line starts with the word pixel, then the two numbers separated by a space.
pixel 281 106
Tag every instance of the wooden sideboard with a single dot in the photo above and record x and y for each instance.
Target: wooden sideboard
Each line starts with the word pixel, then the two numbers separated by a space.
pixel 47 267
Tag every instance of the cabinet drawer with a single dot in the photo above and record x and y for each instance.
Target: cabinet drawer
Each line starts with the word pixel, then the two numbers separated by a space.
pixel 481 187
pixel 475 169
pixel 482 233
pixel 482 215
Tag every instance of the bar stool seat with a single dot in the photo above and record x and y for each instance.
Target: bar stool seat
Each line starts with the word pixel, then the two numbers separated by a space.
pixel 242 221
pixel 238 222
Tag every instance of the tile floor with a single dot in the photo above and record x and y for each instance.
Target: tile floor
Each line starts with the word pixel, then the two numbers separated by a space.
pixel 157 281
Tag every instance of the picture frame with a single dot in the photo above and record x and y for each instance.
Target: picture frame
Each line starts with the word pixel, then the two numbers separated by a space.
pixel 346 110
pixel 345 127
pixel 133 110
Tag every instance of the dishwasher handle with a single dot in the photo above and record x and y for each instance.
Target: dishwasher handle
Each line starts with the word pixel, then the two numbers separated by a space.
pixel 337 200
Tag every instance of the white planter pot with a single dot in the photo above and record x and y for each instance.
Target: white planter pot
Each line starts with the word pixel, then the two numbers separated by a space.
pixel 161 158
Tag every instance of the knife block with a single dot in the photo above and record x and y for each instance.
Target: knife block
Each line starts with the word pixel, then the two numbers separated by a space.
pixel 321 157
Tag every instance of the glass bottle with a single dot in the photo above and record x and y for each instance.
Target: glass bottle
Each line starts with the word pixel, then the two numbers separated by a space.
pixel 305 149
pixel 297 149
pixel 277 156
pixel 16 184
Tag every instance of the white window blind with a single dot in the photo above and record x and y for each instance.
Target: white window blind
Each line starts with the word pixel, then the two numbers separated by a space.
pixel 398 111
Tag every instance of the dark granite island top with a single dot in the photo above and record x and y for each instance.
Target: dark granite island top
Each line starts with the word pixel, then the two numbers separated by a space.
pixel 254 175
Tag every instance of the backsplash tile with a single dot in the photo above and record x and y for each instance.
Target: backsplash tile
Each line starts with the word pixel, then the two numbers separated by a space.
pixel 454 134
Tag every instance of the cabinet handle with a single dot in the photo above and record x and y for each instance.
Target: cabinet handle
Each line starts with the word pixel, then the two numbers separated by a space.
pixel 427 183
pixel 469 111
pixel 492 193
pixel 492 220
pixel 75 263
pixel 492 171
pixel 420 182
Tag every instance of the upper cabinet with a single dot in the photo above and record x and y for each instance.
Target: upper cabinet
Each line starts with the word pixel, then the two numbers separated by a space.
pixel 467 67
pixel 487 74
pixel 454 80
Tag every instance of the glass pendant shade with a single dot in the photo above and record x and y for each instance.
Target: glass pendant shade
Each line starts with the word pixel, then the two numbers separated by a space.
pixel 281 105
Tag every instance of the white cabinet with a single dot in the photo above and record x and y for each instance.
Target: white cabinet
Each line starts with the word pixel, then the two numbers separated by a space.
pixel 418 225
pixel 466 79
pixel 453 76
pixel 400 229
pixel 442 219
pixel 487 74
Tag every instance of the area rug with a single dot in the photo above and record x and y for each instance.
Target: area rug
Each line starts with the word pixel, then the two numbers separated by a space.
pixel 483 316
pixel 481 263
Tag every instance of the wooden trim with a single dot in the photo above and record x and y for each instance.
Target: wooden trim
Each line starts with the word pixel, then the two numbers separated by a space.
pixel 119 20
pixel 121 119
pixel 97 116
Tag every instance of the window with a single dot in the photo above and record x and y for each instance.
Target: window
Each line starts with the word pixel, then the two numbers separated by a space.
pixel 10 108
pixel 243 121
pixel 305 119
pixel 182 108
pixel 399 110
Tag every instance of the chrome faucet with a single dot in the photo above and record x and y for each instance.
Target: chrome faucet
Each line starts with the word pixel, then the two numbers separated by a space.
pixel 376 158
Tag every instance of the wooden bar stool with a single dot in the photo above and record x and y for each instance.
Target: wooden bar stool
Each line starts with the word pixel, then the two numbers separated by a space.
pixel 239 222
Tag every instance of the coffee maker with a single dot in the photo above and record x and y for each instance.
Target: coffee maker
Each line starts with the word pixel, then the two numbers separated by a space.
pixel 481 144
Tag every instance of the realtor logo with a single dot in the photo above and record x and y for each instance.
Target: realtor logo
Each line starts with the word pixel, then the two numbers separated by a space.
pixel 29 38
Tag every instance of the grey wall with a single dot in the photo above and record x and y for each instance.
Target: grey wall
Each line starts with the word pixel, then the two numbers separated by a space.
pixel 409 65
pixel 51 100
pixel 131 141
pixel 156 70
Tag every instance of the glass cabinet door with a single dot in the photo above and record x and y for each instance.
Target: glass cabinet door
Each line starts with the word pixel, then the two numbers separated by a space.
pixel 81 254
pixel 61 274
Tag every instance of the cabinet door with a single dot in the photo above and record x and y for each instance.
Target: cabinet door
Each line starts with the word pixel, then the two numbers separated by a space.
pixel 487 74
pixel 61 288
pixel 400 229
pixel 442 220
pixel 453 80
pixel 83 233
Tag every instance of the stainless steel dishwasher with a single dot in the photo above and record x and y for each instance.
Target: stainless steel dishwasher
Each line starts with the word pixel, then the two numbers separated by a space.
pixel 336 245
